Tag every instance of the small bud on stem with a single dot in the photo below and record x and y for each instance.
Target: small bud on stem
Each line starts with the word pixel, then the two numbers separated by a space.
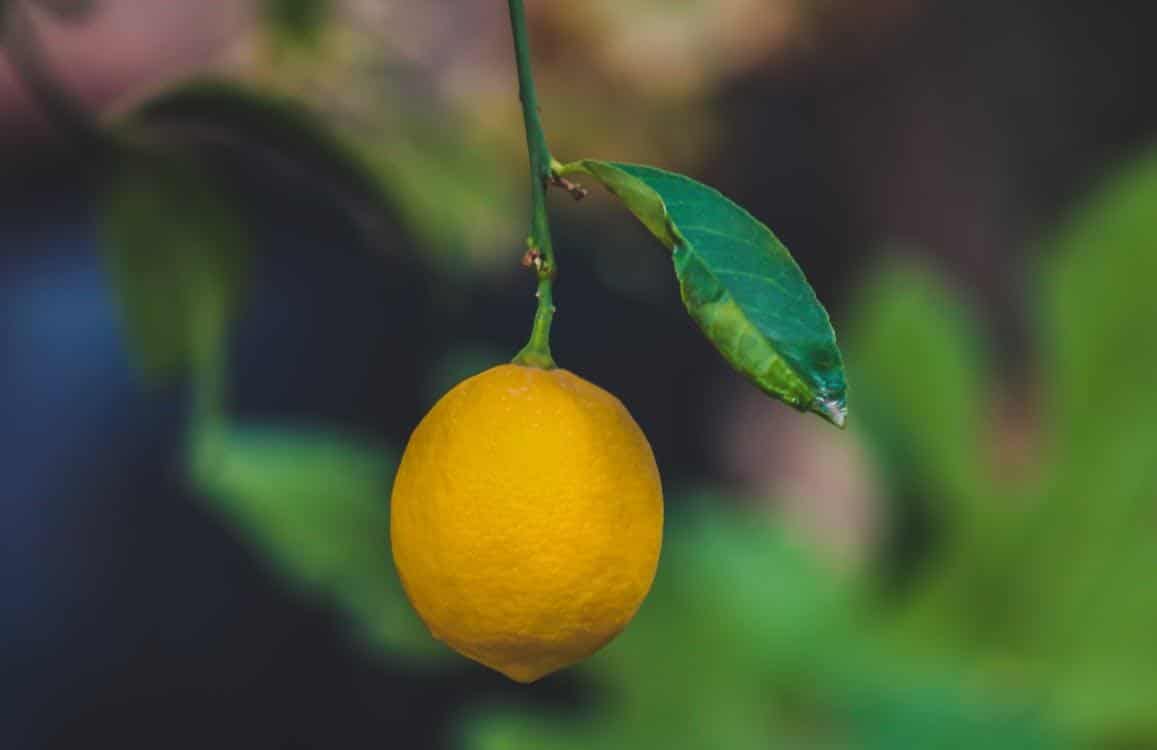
pixel 577 191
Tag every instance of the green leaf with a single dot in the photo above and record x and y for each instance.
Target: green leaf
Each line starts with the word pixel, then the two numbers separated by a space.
pixel 739 283
pixel 1099 312
pixel 921 383
pixel 1092 539
pixel 177 253
pixel 216 117
pixel 316 503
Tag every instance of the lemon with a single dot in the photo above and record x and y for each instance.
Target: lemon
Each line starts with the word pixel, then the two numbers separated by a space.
pixel 526 519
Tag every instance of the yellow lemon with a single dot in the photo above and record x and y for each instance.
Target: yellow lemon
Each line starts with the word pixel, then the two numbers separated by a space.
pixel 526 519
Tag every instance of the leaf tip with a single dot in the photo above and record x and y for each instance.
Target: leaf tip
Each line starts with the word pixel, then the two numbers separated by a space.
pixel 833 410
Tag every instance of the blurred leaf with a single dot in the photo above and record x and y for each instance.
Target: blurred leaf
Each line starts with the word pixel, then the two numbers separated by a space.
pixel 921 369
pixel 918 708
pixel 453 192
pixel 317 504
pixel 177 253
pixel 739 283
pixel 1094 536
pixel 1099 311
pixel 1051 593
pixel 224 117
pixel 297 22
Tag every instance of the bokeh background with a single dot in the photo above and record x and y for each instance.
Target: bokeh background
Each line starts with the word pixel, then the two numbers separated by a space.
pixel 971 187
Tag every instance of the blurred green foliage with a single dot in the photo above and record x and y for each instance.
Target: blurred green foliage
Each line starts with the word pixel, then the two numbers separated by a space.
pixel 452 191
pixel 210 118
pixel 311 500
pixel 177 253
pixel 1044 579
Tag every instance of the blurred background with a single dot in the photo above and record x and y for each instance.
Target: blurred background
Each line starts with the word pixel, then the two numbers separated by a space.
pixel 194 552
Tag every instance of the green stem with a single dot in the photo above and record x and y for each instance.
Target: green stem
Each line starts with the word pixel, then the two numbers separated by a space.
pixel 536 353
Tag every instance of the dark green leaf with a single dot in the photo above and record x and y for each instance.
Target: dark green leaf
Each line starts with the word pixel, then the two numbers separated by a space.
pixel 177 253
pixel 223 118
pixel 739 283
pixel 316 503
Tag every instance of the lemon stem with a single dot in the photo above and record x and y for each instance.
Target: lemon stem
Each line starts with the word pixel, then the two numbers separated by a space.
pixel 540 254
